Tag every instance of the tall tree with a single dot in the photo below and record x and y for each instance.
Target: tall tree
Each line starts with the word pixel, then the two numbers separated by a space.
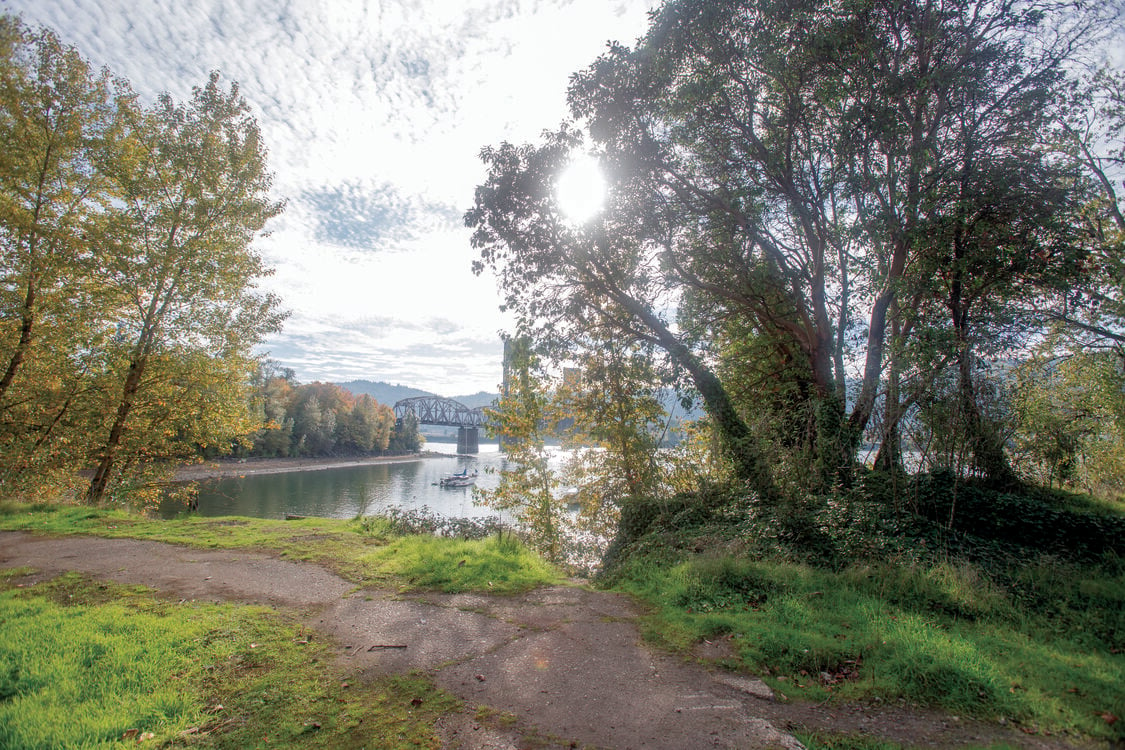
pixel 778 168
pixel 57 117
pixel 194 188
pixel 365 427
pixel 1092 133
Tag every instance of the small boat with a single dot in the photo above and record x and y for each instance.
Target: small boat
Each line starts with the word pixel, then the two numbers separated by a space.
pixel 461 479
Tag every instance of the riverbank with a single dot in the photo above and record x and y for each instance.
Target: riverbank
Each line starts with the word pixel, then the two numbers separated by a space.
pixel 389 622
pixel 254 466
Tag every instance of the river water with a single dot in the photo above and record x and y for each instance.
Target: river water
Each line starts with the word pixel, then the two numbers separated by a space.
pixel 355 490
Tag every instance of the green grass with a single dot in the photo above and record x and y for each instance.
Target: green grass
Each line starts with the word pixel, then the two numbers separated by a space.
pixel 456 565
pixel 85 664
pixel 1045 651
pixel 842 741
pixel 366 551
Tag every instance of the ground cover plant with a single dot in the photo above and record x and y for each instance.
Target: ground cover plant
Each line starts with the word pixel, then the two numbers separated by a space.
pixel 90 663
pixel 375 550
pixel 916 615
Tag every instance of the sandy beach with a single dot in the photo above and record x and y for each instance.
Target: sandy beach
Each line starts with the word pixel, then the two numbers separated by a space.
pixel 252 466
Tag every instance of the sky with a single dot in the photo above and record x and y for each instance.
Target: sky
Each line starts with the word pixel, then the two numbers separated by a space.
pixel 374 113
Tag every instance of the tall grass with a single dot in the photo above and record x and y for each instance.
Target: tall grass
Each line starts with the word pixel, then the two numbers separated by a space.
pixel 499 564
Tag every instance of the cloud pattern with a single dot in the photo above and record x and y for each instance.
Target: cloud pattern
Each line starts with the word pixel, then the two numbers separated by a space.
pixel 374 112
pixel 357 215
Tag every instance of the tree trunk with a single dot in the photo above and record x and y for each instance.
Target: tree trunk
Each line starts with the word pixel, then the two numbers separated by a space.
pixel 841 333
pixel 983 441
pixel 104 472
pixel 27 322
pixel 985 444
pixel 889 457
pixel 865 402
pixel 737 440
pixel 876 340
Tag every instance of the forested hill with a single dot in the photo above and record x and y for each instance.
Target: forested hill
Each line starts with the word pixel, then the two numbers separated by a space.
pixel 388 394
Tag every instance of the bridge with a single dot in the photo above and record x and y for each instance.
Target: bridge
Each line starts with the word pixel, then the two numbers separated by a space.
pixel 449 413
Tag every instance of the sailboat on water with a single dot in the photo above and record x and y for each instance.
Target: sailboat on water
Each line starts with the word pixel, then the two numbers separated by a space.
pixel 461 479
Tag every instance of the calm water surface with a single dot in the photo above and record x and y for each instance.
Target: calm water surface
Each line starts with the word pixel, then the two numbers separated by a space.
pixel 354 490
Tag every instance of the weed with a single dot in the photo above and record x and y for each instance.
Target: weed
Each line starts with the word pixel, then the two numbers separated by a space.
pixel 842 741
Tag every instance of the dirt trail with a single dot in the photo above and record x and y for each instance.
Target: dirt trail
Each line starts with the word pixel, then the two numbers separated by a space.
pixel 565 660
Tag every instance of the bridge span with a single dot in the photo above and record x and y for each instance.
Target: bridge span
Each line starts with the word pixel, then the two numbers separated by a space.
pixel 448 413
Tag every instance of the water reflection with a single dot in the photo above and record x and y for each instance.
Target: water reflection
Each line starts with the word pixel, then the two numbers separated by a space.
pixel 354 490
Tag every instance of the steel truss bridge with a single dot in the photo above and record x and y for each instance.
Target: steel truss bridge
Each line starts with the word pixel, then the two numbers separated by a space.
pixel 449 413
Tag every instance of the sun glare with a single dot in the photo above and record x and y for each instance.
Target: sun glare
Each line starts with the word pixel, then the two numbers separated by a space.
pixel 580 190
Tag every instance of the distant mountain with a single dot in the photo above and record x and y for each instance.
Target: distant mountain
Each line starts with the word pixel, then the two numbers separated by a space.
pixel 384 393
pixel 388 394
pixel 480 398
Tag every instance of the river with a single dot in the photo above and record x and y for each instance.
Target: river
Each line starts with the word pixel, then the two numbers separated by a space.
pixel 350 491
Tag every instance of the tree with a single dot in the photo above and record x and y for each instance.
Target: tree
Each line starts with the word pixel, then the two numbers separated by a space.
pixel 58 120
pixel 1092 134
pixel 1072 415
pixel 406 435
pixel 527 488
pixel 272 401
pixel 612 421
pixel 366 427
pixel 783 171
pixel 314 427
pixel 194 192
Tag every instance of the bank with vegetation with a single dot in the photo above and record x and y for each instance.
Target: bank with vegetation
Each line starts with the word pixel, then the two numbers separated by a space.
pixel 880 244
pixel 979 622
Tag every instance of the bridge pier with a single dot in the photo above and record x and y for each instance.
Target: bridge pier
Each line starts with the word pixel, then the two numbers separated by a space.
pixel 468 440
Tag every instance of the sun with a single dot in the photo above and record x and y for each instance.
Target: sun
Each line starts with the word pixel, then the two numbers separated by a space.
pixel 581 189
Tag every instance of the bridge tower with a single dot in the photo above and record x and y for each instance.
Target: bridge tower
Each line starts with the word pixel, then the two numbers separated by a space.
pixel 468 439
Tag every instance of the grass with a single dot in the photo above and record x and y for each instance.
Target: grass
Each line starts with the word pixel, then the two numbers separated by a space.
pixel 366 551
pixel 842 741
pixel 455 565
pixel 87 664
pixel 1035 639
pixel 1045 651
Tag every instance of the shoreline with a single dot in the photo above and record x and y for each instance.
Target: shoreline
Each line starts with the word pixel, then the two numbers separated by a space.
pixel 226 468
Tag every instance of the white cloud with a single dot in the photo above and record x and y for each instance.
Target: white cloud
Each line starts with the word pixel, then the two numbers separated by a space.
pixel 374 113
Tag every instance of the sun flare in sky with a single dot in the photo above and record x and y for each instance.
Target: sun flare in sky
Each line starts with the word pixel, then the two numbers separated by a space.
pixel 581 189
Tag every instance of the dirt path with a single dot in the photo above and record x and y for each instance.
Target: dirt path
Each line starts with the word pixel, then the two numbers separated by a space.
pixel 565 660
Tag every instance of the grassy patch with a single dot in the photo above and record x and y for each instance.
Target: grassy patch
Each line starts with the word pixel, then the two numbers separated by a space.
pixel 87 663
pixel 938 635
pixel 501 565
pixel 843 741
pixel 363 551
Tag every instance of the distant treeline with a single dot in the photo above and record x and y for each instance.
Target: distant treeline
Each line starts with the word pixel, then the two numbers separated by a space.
pixel 323 419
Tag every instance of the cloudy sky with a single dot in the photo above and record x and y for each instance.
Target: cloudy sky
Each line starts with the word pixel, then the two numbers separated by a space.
pixel 374 112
